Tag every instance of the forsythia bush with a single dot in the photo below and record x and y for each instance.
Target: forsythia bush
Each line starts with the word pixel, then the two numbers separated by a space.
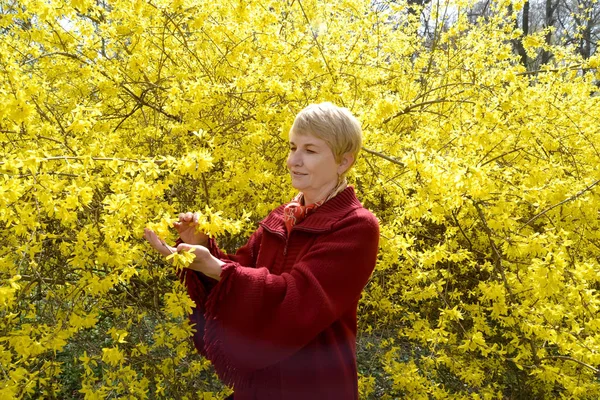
pixel 116 115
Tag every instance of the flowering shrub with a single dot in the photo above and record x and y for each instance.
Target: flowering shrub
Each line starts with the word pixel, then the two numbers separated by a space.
pixel 119 115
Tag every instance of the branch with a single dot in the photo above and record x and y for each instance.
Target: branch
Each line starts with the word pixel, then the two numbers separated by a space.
pixel 538 71
pixel 158 162
pixel 390 159
pixel 58 141
pixel 567 358
pixel 461 229
pixel 441 87
pixel 314 35
pixel 141 101
pixel 129 114
pixel 408 109
pixel 440 294
pixel 498 257
pixel 47 173
pixel 57 53
pixel 502 155
pixel 575 196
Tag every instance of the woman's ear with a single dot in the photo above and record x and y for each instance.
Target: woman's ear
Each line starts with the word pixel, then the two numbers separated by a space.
pixel 345 163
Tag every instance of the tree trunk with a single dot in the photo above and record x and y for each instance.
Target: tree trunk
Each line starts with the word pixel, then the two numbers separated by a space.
pixel 518 43
pixel 546 55
pixel 586 40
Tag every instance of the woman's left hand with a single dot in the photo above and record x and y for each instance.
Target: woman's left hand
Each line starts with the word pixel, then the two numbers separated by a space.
pixel 157 243
pixel 204 261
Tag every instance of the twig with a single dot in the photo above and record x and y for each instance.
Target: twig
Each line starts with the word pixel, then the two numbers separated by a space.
pixel 461 229
pixel 498 257
pixel 390 159
pixel 575 196
pixel 567 358
pixel 159 162
pixel 502 155
pixel 314 35
pixel 57 53
pixel 156 108
pixel 570 68
pixel 408 109
pixel 47 173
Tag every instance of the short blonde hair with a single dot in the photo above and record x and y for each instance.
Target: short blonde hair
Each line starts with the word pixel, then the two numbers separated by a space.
pixel 335 125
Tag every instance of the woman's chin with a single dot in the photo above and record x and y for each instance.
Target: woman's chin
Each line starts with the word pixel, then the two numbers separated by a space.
pixel 298 184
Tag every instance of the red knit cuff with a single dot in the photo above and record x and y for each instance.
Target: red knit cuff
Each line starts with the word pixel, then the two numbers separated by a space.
pixel 215 332
pixel 208 282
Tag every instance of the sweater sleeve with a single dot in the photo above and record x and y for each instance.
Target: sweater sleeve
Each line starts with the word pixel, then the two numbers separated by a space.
pixel 245 255
pixel 199 286
pixel 255 319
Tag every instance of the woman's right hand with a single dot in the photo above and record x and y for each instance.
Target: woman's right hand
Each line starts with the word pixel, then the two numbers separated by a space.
pixel 186 226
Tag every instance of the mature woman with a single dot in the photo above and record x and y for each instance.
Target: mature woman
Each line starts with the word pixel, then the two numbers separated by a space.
pixel 278 318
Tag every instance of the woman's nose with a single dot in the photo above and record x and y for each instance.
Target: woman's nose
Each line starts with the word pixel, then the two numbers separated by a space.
pixel 294 159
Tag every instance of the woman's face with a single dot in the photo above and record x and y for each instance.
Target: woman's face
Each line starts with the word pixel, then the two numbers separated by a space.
pixel 312 165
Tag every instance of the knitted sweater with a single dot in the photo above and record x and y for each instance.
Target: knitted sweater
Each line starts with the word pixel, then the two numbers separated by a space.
pixel 281 322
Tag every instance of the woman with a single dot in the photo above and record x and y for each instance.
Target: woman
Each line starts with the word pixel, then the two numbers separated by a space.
pixel 278 318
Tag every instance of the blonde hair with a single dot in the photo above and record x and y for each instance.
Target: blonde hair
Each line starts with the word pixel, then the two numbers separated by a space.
pixel 335 125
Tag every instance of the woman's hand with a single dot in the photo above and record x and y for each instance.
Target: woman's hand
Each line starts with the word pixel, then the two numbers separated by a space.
pixel 186 227
pixel 204 261
pixel 157 243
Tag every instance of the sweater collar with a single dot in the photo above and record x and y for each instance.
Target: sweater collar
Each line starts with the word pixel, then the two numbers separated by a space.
pixel 322 219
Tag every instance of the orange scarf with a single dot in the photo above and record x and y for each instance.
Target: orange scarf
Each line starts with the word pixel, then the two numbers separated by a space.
pixel 294 212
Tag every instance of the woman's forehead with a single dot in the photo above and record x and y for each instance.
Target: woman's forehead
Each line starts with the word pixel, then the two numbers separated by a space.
pixel 305 139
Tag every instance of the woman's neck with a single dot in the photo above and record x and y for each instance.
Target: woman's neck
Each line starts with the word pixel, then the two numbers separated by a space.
pixel 313 197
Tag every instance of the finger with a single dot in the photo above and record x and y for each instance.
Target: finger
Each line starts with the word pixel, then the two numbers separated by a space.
pixel 189 216
pixel 151 236
pixel 199 251
pixel 181 247
pixel 156 242
pixel 196 216
pixel 181 216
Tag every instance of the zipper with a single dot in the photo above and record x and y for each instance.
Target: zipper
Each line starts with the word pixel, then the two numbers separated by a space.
pixel 285 246
pixel 281 235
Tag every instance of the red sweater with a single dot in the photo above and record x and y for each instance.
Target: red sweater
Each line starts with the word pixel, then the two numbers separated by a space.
pixel 281 322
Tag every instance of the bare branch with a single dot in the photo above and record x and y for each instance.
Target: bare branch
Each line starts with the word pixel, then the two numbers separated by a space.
pixel 316 41
pixel 502 155
pixel 496 252
pixel 408 109
pixel 539 71
pixel 575 196
pixel 567 358
pixel 390 159
pixel 158 162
